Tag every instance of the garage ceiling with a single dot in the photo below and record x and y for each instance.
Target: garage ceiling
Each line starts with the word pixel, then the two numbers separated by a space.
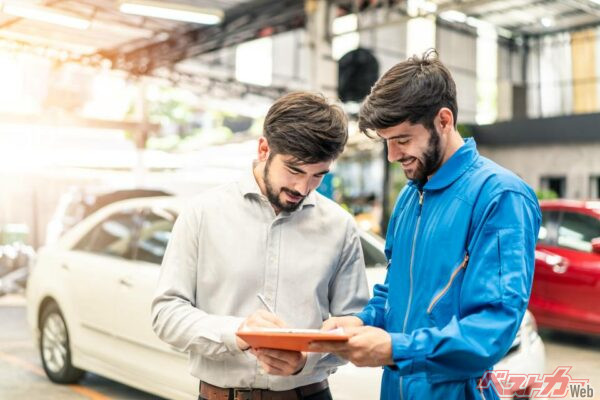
pixel 531 17
pixel 140 45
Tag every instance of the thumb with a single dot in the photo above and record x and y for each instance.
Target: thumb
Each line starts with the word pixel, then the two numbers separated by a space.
pixel 330 324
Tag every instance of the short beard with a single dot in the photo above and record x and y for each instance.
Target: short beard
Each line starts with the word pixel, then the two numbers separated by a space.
pixel 274 197
pixel 432 157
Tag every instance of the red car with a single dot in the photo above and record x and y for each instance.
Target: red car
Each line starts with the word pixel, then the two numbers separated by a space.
pixel 566 286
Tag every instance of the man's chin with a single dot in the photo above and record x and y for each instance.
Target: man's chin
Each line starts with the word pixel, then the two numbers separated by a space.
pixel 410 175
pixel 414 176
pixel 289 206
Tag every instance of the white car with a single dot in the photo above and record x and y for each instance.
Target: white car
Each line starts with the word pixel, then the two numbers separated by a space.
pixel 89 296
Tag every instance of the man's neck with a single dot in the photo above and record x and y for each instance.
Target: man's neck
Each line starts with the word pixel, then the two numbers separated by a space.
pixel 455 142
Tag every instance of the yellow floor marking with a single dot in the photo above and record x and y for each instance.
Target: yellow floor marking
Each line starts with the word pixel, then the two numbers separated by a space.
pixel 89 393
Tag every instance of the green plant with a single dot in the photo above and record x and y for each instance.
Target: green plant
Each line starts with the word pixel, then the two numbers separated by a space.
pixel 546 194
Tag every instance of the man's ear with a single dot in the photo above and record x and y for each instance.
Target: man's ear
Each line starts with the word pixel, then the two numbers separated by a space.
pixel 445 119
pixel 263 149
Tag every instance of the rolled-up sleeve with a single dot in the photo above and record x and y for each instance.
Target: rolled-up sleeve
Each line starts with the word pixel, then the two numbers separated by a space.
pixel 175 317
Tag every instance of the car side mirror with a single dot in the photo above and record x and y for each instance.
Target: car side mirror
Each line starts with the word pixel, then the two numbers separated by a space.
pixel 596 245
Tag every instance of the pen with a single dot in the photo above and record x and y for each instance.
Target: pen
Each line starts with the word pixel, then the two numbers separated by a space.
pixel 262 300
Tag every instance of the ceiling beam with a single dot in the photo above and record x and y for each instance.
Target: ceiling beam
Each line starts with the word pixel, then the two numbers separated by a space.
pixel 509 8
pixel 12 21
pixel 242 23
pixel 583 6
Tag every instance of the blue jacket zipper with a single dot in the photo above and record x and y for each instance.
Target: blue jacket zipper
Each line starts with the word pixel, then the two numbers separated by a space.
pixel 412 258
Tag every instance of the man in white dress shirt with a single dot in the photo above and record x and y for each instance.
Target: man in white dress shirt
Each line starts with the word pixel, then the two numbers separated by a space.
pixel 268 234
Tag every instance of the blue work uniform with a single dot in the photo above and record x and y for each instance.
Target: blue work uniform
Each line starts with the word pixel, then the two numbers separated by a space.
pixel 461 261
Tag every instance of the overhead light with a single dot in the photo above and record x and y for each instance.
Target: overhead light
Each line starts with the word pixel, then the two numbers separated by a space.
pixel 45 14
pixel 480 24
pixel 453 16
pixel 345 24
pixel 414 8
pixel 505 33
pixel 547 22
pixel 429 7
pixel 176 12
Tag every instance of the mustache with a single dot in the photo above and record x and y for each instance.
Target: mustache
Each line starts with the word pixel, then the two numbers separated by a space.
pixel 292 192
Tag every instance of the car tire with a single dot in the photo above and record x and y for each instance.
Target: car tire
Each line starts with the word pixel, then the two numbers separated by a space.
pixel 55 350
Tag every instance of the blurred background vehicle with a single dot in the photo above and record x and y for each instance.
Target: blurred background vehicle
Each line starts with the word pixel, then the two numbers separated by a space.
pixel 15 281
pixel 79 202
pixel 89 296
pixel 15 258
pixel 566 286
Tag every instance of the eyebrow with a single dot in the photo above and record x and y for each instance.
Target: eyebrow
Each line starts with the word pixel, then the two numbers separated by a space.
pixel 400 136
pixel 296 169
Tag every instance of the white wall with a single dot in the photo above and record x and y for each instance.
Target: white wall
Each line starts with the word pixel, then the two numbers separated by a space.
pixel 577 162
pixel 457 50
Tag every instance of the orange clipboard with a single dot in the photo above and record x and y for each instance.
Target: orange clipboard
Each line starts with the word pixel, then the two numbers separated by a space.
pixel 289 339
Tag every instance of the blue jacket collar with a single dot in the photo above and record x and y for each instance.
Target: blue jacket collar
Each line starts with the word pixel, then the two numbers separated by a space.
pixel 452 169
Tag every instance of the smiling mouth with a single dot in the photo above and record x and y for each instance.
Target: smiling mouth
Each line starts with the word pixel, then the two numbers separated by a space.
pixel 293 197
pixel 408 162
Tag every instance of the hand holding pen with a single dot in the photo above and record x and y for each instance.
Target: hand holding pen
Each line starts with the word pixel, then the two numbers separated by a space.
pixel 259 319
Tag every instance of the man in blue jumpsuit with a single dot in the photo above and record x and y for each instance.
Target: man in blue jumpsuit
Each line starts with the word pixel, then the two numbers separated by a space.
pixel 460 245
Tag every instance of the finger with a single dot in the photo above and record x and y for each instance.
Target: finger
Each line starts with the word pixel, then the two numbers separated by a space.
pixel 330 324
pixel 273 363
pixel 355 330
pixel 287 356
pixel 326 347
pixel 272 370
pixel 264 319
pixel 271 318
pixel 280 359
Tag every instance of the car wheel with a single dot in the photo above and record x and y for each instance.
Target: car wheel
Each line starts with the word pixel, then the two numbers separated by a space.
pixel 55 349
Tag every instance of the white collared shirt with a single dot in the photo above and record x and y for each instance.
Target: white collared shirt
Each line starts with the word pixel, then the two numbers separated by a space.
pixel 227 247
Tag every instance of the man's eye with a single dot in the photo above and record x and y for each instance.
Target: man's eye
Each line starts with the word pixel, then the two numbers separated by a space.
pixel 402 141
pixel 291 171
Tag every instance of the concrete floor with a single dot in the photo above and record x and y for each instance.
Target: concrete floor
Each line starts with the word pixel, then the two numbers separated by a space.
pixel 582 353
pixel 21 373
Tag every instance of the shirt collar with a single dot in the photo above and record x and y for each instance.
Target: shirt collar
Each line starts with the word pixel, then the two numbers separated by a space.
pixel 452 169
pixel 249 186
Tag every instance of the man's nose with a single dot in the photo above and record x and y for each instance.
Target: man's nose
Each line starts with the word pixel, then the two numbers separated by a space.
pixel 394 152
pixel 302 186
